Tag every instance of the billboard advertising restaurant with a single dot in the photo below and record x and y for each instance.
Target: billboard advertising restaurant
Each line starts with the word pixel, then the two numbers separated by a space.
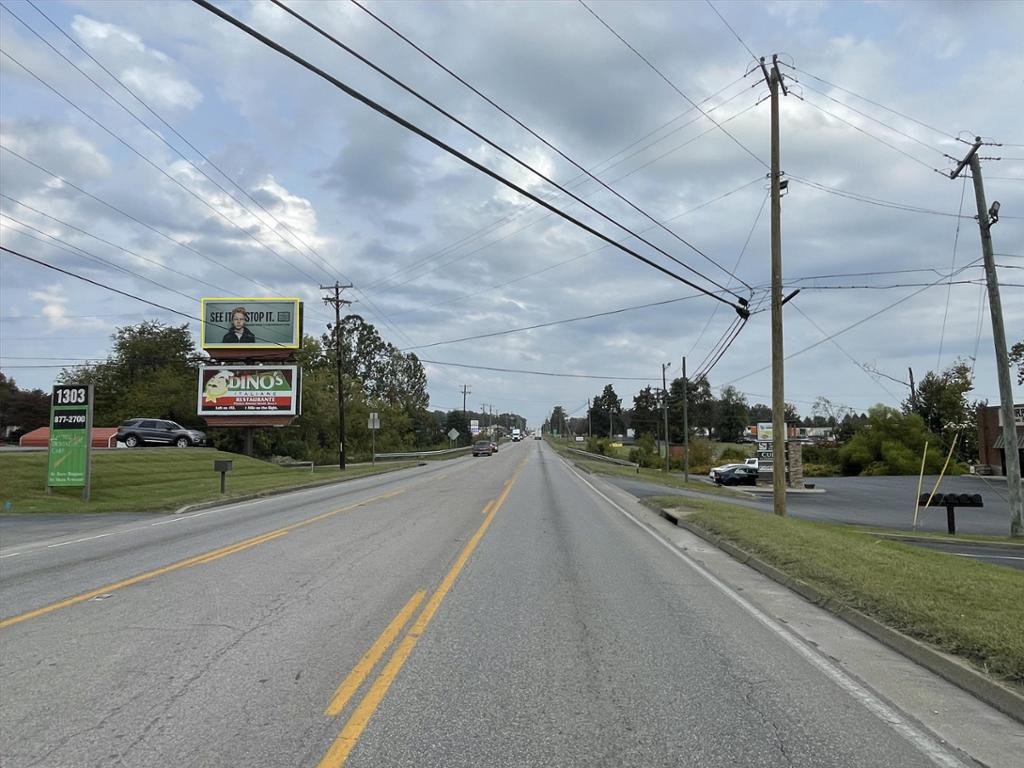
pixel 271 390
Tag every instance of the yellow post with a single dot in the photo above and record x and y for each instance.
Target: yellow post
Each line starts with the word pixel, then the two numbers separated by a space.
pixel 943 472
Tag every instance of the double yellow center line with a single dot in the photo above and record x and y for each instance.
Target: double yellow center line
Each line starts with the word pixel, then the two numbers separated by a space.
pixel 360 717
pixel 189 562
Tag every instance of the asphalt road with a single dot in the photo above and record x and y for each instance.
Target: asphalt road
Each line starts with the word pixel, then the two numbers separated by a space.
pixel 479 612
pixel 885 502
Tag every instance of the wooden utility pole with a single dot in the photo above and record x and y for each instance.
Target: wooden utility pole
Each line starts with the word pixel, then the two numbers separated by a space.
pixel 686 427
pixel 664 410
pixel 913 390
pixel 774 80
pixel 986 218
pixel 338 302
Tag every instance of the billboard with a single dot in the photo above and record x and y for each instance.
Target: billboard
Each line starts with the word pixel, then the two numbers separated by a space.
pixel 258 390
pixel 239 323
pixel 70 433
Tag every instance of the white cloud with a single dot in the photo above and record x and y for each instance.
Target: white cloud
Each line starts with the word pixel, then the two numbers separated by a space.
pixel 98 36
pixel 162 89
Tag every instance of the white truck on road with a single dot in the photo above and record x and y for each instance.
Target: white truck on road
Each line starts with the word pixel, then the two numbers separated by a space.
pixel 517 435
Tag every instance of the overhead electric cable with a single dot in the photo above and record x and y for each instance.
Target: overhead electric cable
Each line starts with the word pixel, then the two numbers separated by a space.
pixel 949 287
pixel 860 322
pixel 870 135
pixel 323 263
pixel 871 200
pixel 539 219
pixel 444 146
pixel 734 33
pixel 555 322
pixel 99 285
pixel 159 169
pixel 522 163
pixel 672 85
pixel 743 250
pixel 875 103
pixel 529 130
pixel 566 261
pixel 575 182
pixel 541 373
pixel 190 277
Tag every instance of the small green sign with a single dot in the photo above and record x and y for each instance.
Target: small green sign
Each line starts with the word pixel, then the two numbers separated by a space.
pixel 70 437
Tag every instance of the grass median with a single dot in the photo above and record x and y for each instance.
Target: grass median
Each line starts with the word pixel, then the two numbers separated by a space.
pixel 158 479
pixel 964 607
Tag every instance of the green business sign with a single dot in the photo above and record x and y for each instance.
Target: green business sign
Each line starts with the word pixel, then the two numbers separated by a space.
pixel 70 433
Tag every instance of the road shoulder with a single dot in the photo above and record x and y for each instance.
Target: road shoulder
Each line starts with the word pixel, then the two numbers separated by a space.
pixel 941 707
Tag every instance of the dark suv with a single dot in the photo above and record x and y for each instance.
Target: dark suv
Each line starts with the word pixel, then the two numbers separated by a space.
pixel 136 432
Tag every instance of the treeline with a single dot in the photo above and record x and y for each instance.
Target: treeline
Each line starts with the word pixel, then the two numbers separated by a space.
pixel 152 370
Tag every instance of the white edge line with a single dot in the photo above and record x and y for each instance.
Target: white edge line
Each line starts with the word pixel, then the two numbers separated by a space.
pixel 988 557
pixel 925 743
pixel 10 554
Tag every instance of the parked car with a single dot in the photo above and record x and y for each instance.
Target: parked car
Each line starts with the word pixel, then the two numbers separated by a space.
pixel 715 471
pixel 738 475
pixel 137 432
pixel 482 448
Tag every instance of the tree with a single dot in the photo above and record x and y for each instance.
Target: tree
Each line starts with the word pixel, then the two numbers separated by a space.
pixel 21 410
pixel 732 415
pixel 646 413
pixel 943 406
pixel 1017 358
pixel 557 420
pixel 891 443
pixel 700 407
pixel 606 412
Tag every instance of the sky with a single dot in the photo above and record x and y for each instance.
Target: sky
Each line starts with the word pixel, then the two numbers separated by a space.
pixel 262 179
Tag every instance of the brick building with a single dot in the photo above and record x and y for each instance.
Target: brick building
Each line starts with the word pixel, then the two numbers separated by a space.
pixel 990 438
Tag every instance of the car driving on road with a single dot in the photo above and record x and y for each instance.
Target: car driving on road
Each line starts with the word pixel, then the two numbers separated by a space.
pixel 138 432
pixel 482 448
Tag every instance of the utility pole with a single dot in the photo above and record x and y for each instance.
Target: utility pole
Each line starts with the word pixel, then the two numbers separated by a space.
pixel 664 410
pixel 590 421
pixel 611 420
pixel 774 80
pixel 986 218
pixel 686 427
pixel 913 389
pixel 338 302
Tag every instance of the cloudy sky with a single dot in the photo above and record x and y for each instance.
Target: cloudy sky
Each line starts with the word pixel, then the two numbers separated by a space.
pixel 265 180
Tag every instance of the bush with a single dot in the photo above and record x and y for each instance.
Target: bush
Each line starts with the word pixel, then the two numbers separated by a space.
pixel 733 456
pixel 598 445
pixel 701 456
pixel 644 452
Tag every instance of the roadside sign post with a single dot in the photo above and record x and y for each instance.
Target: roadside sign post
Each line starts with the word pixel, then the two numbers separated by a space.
pixel 373 426
pixel 70 452
pixel 453 435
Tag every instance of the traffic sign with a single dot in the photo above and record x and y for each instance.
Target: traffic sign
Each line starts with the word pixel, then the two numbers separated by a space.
pixel 453 433
pixel 374 421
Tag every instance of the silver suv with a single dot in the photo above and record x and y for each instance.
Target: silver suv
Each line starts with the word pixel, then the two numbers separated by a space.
pixel 136 432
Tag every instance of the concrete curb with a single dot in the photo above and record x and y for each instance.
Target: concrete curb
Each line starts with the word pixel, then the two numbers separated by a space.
pixel 897 536
pixel 200 505
pixel 1002 697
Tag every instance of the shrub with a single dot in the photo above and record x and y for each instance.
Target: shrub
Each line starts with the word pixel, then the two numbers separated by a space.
pixel 733 456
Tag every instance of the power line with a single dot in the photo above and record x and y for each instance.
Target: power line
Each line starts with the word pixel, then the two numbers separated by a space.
pixel 440 110
pixel 569 260
pixel 875 103
pixel 540 373
pixel 576 181
pixel 949 287
pixel 855 324
pixel 734 33
pixel 99 285
pixel 672 85
pixel 533 133
pixel 870 135
pixel 870 200
pixel 162 171
pixel 447 147
pixel 554 322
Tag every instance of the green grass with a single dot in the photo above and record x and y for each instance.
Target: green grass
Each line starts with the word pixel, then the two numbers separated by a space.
pixel 156 479
pixel 963 607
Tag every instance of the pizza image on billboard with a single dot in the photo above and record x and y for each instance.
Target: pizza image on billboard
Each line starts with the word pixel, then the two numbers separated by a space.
pixel 234 323
pixel 232 390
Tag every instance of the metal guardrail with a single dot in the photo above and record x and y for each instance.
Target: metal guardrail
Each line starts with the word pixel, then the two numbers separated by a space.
pixel 421 454
pixel 609 459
